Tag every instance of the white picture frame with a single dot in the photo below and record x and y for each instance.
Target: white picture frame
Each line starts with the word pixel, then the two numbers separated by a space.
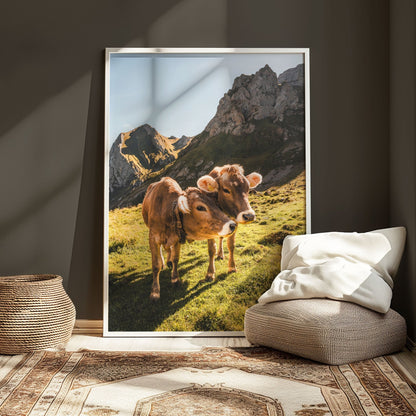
pixel 176 84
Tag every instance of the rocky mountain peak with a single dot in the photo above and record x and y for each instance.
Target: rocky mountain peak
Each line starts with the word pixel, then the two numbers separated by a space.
pixel 256 97
pixel 148 129
pixel 139 152
pixel 264 76
pixel 145 141
pixel 293 76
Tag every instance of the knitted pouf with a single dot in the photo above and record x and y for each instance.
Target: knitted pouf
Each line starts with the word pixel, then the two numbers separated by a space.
pixel 329 331
pixel 35 313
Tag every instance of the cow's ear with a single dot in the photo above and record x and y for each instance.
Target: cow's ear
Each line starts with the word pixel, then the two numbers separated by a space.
pixel 224 169
pixel 207 184
pixel 254 179
pixel 215 172
pixel 183 204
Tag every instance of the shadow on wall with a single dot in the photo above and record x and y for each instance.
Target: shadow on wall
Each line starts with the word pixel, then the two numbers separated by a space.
pixel 52 126
pixel 40 164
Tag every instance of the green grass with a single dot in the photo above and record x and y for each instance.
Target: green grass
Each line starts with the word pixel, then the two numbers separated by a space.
pixel 197 305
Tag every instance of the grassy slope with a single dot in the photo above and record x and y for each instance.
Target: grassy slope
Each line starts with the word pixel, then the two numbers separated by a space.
pixel 197 305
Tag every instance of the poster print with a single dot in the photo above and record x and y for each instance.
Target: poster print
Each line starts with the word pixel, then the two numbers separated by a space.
pixel 206 172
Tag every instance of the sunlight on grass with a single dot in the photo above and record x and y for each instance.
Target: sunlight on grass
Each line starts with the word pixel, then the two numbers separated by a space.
pixel 196 305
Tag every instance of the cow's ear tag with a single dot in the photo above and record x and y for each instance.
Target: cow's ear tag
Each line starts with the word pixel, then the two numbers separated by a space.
pixel 183 204
pixel 254 179
pixel 207 184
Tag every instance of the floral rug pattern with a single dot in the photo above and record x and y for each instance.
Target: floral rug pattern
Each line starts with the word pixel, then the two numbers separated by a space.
pixel 214 381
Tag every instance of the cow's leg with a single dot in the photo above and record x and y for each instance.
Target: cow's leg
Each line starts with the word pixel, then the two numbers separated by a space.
pixel 230 245
pixel 156 267
pixel 174 260
pixel 220 253
pixel 169 259
pixel 210 276
pixel 161 257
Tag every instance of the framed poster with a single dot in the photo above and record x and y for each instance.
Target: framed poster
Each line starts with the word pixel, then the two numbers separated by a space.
pixel 206 172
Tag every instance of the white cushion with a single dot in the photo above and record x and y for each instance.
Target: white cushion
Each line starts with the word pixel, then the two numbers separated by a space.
pixel 396 236
pixel 355 267
pixel 381 249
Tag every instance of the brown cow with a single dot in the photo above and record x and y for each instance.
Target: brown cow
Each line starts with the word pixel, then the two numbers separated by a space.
pixel 232 195
pixel 174 216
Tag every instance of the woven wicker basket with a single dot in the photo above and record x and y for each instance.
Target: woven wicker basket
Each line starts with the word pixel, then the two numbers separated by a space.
pixel 35 313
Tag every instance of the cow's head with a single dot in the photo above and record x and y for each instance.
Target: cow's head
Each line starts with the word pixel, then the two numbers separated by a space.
pixel 203 218
pixel 232 191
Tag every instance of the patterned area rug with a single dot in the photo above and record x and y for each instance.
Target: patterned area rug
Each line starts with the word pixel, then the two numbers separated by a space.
pixel 215 381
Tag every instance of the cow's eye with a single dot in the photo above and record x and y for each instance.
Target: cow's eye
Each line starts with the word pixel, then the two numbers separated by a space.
pixel 227 191
pixel 201 208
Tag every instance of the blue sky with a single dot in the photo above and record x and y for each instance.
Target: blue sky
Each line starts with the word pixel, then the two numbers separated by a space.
pixel 178 94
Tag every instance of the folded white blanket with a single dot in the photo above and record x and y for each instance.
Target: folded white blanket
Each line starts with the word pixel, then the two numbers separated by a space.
pixel 355 267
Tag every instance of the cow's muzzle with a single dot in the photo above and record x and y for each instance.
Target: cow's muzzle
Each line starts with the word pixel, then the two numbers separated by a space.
pixel 228 228
pixel 246 216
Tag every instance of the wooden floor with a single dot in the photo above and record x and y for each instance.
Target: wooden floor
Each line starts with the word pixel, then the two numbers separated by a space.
pixel 97 342
pixel 407 361
pixel 87 334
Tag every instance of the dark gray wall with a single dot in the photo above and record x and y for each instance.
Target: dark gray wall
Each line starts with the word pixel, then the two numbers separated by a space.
pixel 403 148
pixel 51 129
pixel 348 44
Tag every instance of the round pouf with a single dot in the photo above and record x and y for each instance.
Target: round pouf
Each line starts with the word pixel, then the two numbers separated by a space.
pixel 329 331
pixel 35 313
